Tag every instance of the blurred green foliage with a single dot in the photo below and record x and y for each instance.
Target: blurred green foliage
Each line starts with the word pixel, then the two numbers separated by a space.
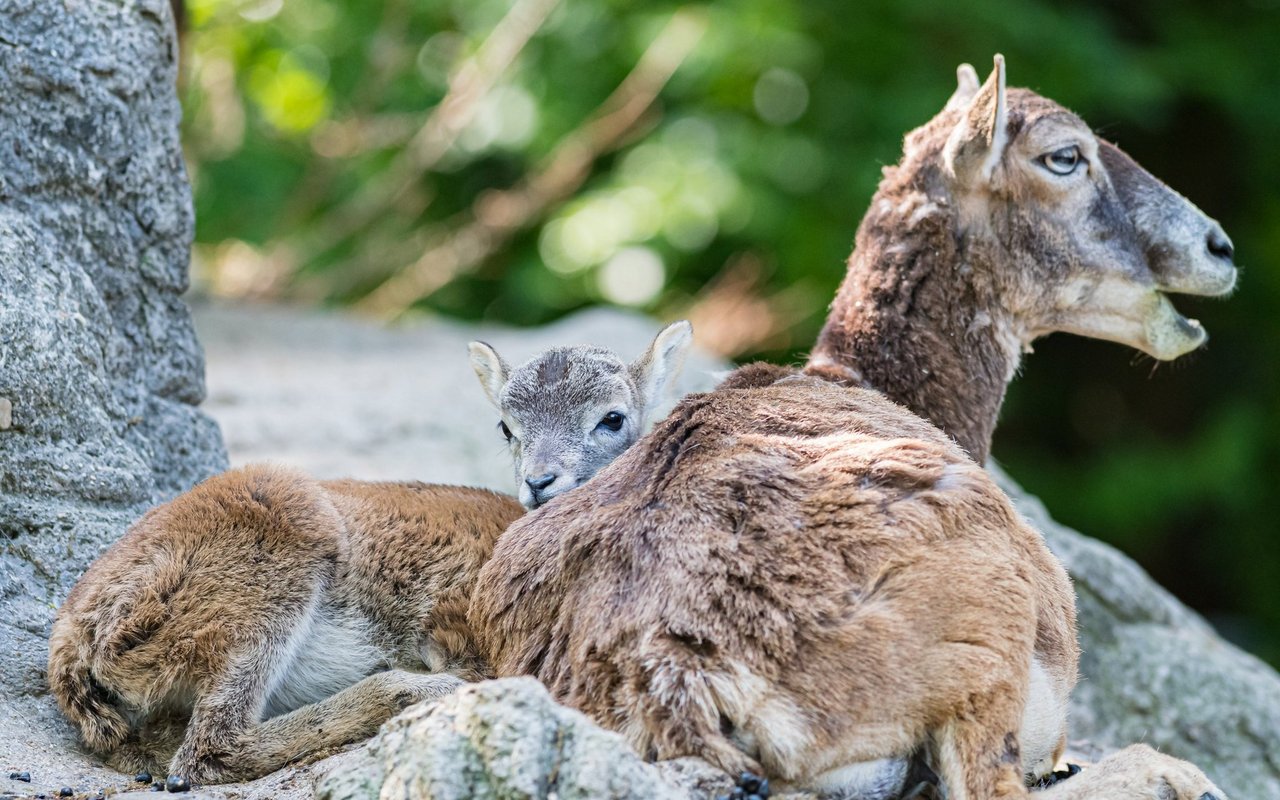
pixel 734 199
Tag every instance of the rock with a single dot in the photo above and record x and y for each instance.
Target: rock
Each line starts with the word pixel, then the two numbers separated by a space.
pixel 1153 671
pixel 500 739
pixel 100 373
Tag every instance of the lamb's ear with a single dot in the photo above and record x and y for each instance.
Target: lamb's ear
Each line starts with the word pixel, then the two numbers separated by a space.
pixel 660 365
pixel 967 85
pixel 490 369
pixel 978 143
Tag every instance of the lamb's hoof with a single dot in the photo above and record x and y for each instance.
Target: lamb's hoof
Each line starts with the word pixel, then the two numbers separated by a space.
pixel 1058 776
pixel 749 787
pixel 177 783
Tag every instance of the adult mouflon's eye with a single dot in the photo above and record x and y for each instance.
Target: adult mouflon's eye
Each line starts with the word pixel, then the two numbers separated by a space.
pixel 502 426
pixel 1063 161
pixel 611 421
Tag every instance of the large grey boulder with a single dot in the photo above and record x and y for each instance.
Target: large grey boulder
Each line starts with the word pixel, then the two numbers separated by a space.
pixel 508 739
pixel 100 373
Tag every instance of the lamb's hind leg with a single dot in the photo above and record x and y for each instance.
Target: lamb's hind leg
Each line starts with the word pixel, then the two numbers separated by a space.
pixel 1136 773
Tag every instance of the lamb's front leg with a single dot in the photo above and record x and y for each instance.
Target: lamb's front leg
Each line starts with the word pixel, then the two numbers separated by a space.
pixel 351 715
pixel 1136 773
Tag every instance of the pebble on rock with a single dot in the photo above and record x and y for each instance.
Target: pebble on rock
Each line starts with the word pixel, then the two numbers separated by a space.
pixel 23 776
pixel 177 783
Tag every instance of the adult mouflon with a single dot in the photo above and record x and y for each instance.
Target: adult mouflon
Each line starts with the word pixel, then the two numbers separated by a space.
pixel 265 616
pixel 797 573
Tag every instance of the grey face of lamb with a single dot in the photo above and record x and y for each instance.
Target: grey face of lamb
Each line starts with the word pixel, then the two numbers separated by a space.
pixel 569 411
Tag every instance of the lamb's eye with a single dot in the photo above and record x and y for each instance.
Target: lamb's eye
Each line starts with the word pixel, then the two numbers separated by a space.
pixel 502 426
pixel 1062 162
pixel 611 421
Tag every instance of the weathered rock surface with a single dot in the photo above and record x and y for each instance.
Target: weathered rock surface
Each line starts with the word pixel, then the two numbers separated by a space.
pixel 504 739
pixel 100 373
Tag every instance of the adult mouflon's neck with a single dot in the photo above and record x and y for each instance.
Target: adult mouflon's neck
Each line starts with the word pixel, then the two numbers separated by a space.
pixel 917 316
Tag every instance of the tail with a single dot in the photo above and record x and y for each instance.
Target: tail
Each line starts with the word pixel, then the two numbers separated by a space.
pixel 92 707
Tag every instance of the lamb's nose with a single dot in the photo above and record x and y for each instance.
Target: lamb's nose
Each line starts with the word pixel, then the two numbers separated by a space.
pixel 1219 244
pixel 540 482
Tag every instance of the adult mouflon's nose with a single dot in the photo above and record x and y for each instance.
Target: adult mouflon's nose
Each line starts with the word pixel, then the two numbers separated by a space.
pixel 540 482
pixel 1219 244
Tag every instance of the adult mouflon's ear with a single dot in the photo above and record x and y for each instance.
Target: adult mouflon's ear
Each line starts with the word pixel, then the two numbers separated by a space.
pixel 490 369
pixel 967 85
pixel 660 365
pixel 978 143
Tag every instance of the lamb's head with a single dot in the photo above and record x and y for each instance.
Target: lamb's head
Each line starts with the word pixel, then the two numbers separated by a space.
pixel 569 411
pixel 1079 238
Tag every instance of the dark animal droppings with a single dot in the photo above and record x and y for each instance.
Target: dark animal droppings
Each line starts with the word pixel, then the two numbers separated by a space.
pixel 24 776
pixel 143 777
pixel 66 791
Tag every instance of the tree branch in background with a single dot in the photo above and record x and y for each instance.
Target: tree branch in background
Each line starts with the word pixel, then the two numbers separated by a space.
pixel 733 314
pixel 468 87
pixel 496 216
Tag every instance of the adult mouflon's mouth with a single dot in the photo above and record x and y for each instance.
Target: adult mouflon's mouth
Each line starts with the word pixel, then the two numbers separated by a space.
pixel 1168 333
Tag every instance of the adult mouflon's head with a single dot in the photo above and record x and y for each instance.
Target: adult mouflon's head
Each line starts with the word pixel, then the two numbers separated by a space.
pixel 1006 220
pixel 1093 243
pixel 569 411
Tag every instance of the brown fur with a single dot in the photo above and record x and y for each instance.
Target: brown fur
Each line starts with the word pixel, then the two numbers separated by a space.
pixel 191 613
pixel 799 577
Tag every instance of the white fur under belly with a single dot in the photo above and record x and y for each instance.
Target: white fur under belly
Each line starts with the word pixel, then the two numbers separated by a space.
pixel 866 780
pixel 326 654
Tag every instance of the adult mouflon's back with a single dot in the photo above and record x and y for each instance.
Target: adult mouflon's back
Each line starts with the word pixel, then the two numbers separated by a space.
pixel 796 575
